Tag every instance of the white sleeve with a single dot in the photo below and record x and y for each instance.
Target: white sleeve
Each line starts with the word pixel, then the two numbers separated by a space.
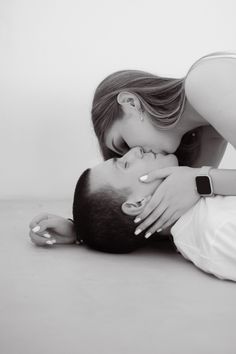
pixel 206 235
pixel 223 263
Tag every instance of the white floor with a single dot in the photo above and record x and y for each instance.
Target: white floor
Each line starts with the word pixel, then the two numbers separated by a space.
pixel 70 300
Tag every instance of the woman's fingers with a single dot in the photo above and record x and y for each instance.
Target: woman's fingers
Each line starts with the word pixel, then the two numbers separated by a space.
pixel 162 223
pixel 171 221
pixel 44 225
pixel 151 205
pixel 156 174
pixel 157 213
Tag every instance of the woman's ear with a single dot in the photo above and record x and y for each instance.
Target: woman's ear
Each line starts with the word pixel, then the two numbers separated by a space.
pixel 128 100
pixel 130 207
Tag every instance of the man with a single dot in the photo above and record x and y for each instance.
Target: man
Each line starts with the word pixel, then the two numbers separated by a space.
pixel 109 196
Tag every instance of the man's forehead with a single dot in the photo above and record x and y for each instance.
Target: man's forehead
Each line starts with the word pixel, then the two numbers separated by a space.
pixel 100 175
pixel 103 176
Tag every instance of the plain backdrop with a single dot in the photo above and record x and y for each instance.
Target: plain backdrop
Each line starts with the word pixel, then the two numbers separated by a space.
pixel 53 55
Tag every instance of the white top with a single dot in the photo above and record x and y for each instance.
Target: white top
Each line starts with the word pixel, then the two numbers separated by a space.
pixel 206 235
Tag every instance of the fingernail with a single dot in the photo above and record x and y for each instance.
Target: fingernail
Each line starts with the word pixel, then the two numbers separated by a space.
pixel 143 178
pixel 159 230
pixel 36 229
pixel 148 234
pixel 138 231
pixel 137 220
pixel 47 235
pixel 50 242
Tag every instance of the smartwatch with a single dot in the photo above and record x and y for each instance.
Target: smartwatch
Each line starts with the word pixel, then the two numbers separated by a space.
pixel 204 182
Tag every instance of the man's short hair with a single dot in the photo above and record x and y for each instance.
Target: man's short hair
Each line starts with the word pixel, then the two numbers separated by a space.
pixel 99 220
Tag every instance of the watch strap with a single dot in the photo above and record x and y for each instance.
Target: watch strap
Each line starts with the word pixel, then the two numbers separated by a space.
pixel 205 171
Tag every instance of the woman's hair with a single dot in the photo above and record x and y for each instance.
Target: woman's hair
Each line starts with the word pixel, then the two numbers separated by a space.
pixel 163 98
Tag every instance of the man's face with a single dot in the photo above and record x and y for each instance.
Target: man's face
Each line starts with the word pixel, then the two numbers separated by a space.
pixel 124 172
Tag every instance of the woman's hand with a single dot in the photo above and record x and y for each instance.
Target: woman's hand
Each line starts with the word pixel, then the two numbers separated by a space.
pixel 175 195
pixel 47 229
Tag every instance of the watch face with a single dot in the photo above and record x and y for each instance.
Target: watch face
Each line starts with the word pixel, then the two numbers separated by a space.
pixel 203 185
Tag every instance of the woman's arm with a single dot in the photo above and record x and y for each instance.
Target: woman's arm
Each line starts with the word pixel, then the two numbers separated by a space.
pixel 210 87
pixel 212 151
pixel 212 148
pixel 224 181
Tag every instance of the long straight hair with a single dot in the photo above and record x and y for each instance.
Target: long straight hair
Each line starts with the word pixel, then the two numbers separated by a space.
pixel 162 97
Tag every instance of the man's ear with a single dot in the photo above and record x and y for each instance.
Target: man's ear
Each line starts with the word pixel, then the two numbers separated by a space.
pixel 130 207
pixel 128 100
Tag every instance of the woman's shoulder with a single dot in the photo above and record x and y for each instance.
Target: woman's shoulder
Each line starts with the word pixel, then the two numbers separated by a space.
pixel 211 58
pixel 210 88
pixel 214 74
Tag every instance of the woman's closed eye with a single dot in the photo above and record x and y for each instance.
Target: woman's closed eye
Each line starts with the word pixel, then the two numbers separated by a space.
pixel 121 147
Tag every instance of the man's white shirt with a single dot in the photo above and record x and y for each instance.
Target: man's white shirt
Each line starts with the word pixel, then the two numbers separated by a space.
pixel 206 235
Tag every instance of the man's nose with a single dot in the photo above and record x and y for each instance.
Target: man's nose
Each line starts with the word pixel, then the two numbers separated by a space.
pixel 133 154
pixel 137 152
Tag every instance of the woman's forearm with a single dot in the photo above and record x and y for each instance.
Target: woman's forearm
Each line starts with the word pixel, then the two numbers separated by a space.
pixel 224 181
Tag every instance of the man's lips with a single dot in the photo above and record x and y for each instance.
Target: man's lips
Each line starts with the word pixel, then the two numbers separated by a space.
pixel 154 154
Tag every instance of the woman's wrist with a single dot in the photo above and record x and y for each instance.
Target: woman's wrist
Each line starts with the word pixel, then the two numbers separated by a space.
pixel 223 180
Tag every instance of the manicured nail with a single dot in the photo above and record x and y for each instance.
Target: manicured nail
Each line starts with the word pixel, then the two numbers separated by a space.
pixel 50 242
pixel 148 234
pixel 159 230
pixel 36 229
pixel 137 220
pixel 138 231
pixel 47 235
pixel 143 178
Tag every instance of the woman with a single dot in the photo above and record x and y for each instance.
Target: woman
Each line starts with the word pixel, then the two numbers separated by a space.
pixel 193 117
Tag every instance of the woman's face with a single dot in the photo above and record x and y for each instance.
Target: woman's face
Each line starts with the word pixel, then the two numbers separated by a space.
pixel 130 131
pixel 124 172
